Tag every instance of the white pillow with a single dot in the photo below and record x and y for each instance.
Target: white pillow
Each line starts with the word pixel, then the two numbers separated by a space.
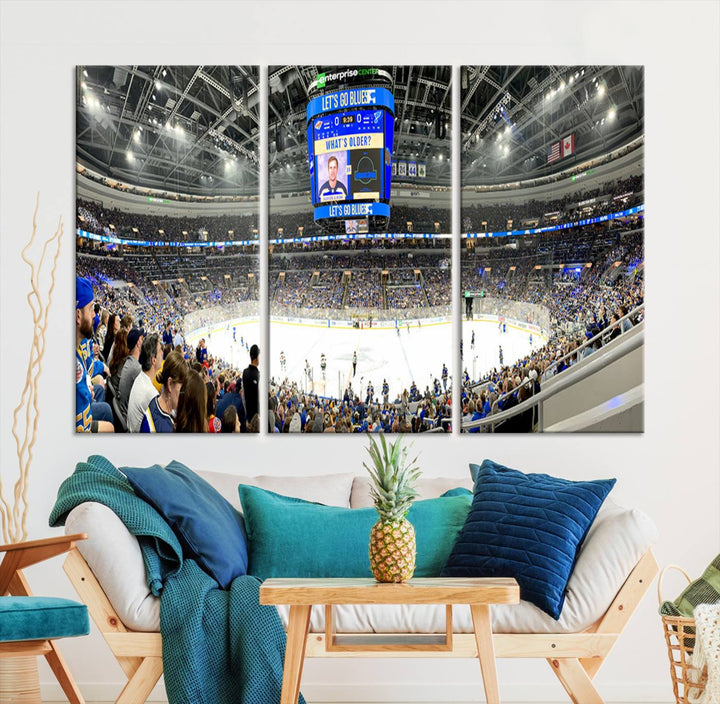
pixel 328 489
pixel 114 556
pixel 428 488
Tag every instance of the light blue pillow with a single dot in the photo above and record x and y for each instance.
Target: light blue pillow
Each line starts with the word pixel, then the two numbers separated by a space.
pixel 526 526
pixel 289 537
pixel 209 529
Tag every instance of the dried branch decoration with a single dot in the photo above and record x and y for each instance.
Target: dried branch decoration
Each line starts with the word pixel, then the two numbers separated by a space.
pixel 13 516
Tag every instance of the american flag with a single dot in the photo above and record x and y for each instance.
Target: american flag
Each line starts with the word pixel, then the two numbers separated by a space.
pixel 553 152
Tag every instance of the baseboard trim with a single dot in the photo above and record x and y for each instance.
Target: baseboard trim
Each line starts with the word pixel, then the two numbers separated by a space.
pixel 408 693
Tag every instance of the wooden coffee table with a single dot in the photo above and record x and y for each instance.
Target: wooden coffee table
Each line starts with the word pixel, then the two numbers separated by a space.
pixel 302 594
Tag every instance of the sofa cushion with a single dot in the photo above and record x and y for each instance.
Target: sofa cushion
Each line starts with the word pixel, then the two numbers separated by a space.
pixel 328 489
pixel 40 617
pixel 526 526
pixel 210 530
pixel 289 537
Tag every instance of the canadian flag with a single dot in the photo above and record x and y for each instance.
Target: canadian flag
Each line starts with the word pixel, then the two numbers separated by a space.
pixel 568 145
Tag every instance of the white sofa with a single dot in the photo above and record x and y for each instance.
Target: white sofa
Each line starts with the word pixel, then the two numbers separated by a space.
pixel 613 570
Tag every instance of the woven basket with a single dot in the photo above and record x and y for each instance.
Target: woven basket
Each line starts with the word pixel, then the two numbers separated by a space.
pixel 680 640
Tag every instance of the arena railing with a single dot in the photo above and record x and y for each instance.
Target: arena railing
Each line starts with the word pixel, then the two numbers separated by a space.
pixel 564 381
pixel 376 314
pixel 520 312
pixel 601 337
pixel 209 316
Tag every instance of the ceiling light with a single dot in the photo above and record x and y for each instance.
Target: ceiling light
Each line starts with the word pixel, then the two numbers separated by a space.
pixel 136 136
pixel 601 89
pixel 129 155
pixel 157 85
pixel 85 73
pixel 164 73
pixel 612 113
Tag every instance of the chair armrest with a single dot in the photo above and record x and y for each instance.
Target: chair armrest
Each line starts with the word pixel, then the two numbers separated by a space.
pixel 21 555
pixel 44 542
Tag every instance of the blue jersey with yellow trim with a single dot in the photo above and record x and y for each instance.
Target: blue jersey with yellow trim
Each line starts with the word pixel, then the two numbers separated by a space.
pixel 83 395
pixel 156 420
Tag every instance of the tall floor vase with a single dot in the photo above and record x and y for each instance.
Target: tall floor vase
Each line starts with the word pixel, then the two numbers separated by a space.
pixel 19 681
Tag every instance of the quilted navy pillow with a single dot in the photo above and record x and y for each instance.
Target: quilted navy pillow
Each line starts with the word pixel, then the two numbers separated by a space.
pixel 209 529
pixel 526 526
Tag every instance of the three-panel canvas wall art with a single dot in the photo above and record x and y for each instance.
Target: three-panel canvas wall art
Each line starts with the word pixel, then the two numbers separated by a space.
pixel 377 249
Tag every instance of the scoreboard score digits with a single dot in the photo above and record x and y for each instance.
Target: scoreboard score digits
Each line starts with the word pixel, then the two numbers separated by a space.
pixel 350 136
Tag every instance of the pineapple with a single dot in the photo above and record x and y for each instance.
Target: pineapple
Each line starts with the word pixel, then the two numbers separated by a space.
pixel 392 539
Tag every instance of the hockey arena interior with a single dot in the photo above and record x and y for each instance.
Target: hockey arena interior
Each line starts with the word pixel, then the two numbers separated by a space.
pixel 549 285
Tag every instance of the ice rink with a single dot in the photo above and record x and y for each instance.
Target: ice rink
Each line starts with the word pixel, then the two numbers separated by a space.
pixel 515 342
pixel 416 354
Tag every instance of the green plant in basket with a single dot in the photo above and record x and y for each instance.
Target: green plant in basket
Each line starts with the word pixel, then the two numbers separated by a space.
pixel 392 539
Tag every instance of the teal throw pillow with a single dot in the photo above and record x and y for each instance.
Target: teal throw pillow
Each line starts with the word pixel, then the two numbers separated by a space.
pixel 289 537
pixel 209 529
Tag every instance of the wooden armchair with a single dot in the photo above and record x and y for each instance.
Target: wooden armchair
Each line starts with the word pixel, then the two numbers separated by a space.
pixel 30 625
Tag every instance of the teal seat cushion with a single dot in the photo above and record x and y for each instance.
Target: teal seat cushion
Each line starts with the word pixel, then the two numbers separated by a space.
pixel 289 537
pixel 41 617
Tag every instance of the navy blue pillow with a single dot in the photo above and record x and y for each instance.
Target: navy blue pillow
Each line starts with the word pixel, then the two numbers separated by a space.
pixel 209 529
pixel 526 526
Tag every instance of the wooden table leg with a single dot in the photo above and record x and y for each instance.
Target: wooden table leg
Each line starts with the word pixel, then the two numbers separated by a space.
pixel 486 651
pixel 298 628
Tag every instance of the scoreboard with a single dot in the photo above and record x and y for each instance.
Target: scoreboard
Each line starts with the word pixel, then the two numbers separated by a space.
pixel 350 137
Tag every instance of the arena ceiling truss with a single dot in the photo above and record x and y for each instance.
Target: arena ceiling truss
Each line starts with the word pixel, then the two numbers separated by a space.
pixel 195 129
pixel 186 129
pixel 512 115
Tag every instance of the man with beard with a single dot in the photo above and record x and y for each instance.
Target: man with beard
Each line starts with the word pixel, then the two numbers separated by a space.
pixel 90 416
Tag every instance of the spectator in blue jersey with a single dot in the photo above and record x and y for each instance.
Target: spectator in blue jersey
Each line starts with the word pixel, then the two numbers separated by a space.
pixel 160 414
pixel 234 399
pixel 90 416
pixel 201 353
pixel 332 189
pixel 96 318
pixel 167 336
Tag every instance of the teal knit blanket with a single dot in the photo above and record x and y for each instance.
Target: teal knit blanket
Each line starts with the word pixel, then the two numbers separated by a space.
pixel 219 646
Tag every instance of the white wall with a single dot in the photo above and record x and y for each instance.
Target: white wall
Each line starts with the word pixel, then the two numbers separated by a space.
pixel 672 471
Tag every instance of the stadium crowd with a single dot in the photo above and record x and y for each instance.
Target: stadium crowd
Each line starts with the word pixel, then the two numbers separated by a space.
pixel 292 411
pixel 94 217
pixel 587 308
pixel 135 373
pixel 605 198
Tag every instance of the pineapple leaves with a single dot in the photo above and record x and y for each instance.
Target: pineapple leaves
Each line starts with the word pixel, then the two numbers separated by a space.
pixel 393 477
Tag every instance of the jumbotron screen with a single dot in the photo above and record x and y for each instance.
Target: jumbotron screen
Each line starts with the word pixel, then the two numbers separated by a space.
pixel 350 137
